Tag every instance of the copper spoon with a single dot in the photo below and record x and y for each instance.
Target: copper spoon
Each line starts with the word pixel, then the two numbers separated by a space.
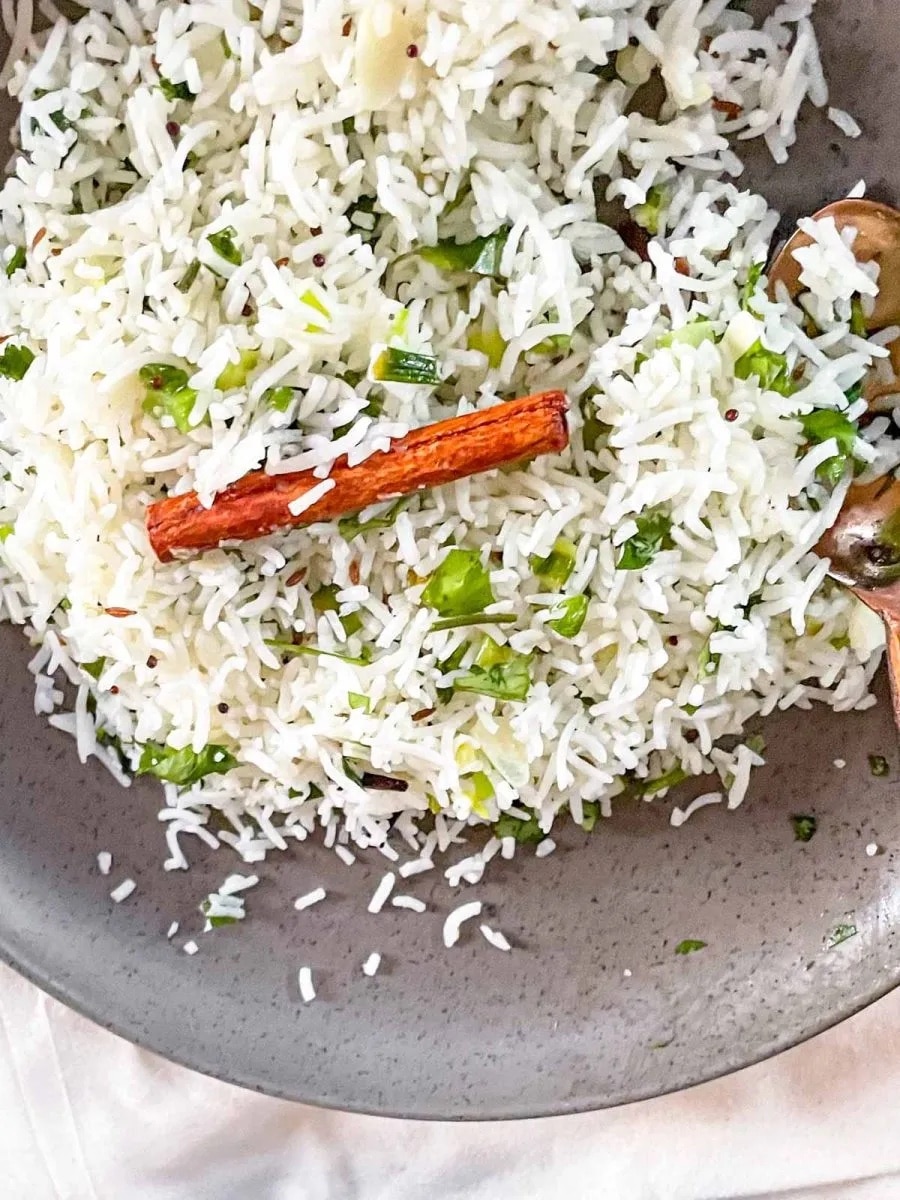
pixel 864 543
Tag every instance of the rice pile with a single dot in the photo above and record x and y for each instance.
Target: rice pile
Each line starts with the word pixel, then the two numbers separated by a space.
pixel 243 195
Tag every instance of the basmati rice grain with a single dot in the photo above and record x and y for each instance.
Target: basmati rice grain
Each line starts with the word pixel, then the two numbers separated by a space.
pixel 123 891
pixel 309 899
pixel 305 984
pixel 455 920
pixel 495 937
pixel 410 902
pixel 382 892
pixel 372 963
pixel 104 862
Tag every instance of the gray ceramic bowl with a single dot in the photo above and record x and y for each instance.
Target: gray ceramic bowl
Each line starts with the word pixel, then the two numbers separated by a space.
pixel 594 1007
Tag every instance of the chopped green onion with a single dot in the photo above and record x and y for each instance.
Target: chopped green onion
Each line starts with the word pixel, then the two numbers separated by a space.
pixel 278 398
pixel 325 600
pixel 841 934
pixel 475 619
pixel 480 791
pixel 489 343
pixel 459 586
pixel 770 368
pixel 5 532
pixel 690 946
pixel 751 283
pixel 223 244
pixel 292 649
pixel 350 527
pixel 557 343
pixel 16 262
pixel 707 659
pixel 804 828
pixel 15 361
pixel 756 742
pixel 312 301
pixel 857 318
pixel 648 214
pixel 174 91
pixel 695 333
pixel 853 394
pixel 524 831
pixel 234 375
pixel 405 366
pixel 95 668
pixel 510 680
pixel 653 535
pixel 168 394
pixel 185 282
pixel 554 570
pixel 217 922
pixel 572 613
pixel 400 324
pixel 590 815
pixel 162 377
pixel 825 423
pixel 184 767
pixel 357 700
pixel 481 256
pixel 662 783
pixel 879 766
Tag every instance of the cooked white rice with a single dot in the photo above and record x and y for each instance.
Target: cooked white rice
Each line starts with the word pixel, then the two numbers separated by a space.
pixel 335 154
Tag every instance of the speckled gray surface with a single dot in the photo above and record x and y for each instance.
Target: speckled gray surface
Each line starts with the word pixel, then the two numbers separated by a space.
pixel 557 1026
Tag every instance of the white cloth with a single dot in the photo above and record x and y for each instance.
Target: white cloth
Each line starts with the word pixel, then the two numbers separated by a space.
pixel 86 1116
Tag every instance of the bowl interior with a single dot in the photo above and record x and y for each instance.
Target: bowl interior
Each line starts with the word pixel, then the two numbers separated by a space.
pixel 594 1007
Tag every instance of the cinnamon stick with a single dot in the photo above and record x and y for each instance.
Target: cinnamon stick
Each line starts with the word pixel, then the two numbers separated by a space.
pixel 257 504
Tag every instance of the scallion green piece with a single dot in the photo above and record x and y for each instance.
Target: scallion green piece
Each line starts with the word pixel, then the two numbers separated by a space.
pixel 804 828
pixel 16 262
pixel 751 283
pixel 291 649
pixel 572 614
pixel 648 214
pixel 662 783
pixel 15 361
pixel 350 527
pixel 5 532
pixel 325 600
pixel 279 398
pixel 481 256
pixel 223 244
pixel 508 680
pixel 174 91
pixel 769 367
pixel 489 343
pixel 653 535
pixel 554 570
pixel 825 423
pixel 524 831
pixel 857 318
pixel 690 946
pixel 460 585
pixel 234 375
pixel 358 700
pixel 394 365
pixel 168 394
pixel 184 767
pixel 186 281
pixel 475 619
